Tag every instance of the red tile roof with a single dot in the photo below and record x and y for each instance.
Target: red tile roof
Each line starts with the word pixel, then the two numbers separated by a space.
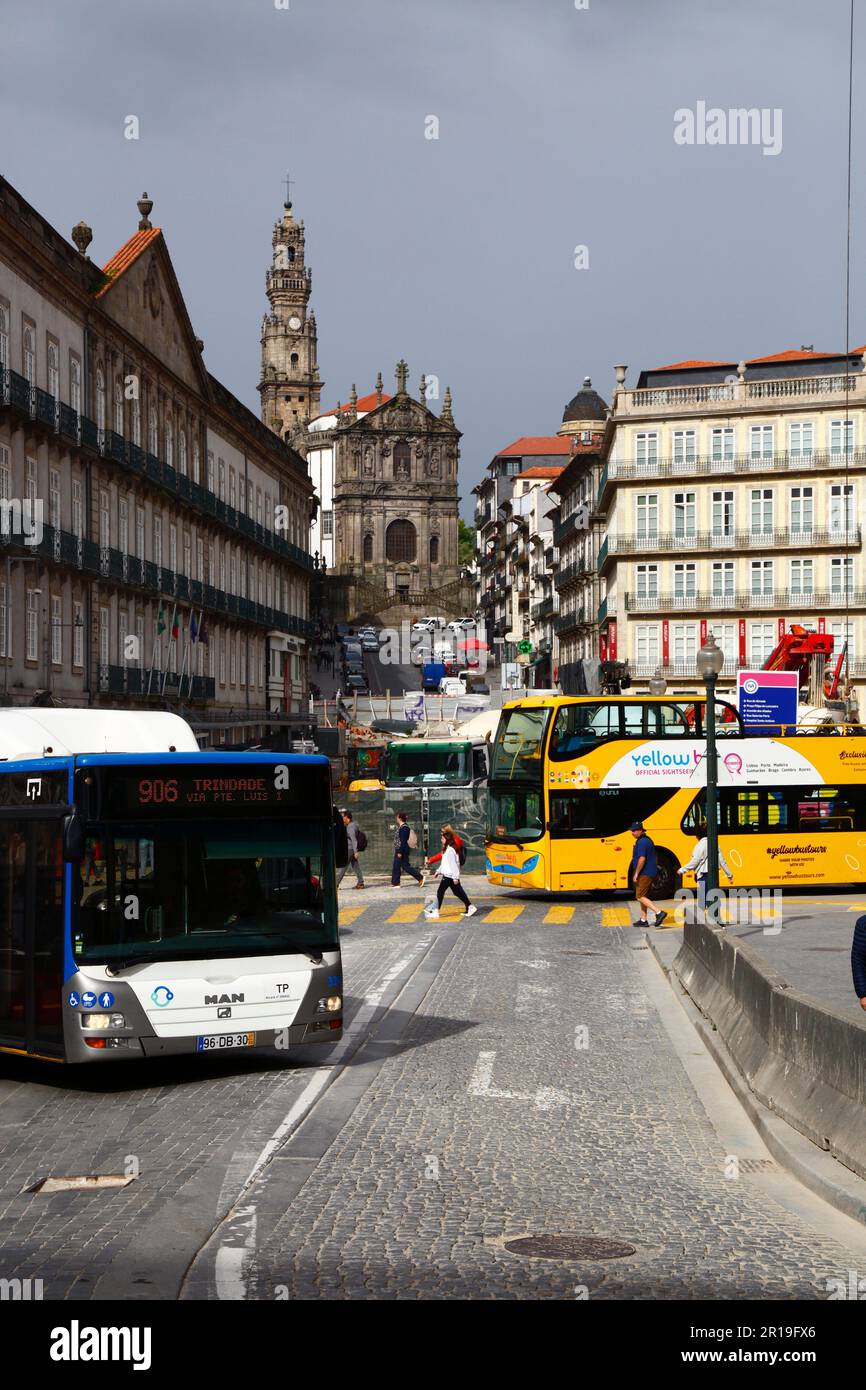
pixel 364 404
pixel 540 471
pixel 691 362
pixel 790 355
pixel 128 253
pixel 537 444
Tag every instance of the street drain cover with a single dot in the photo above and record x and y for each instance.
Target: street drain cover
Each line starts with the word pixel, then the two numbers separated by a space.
pixel 95 1182
pixel 570 1248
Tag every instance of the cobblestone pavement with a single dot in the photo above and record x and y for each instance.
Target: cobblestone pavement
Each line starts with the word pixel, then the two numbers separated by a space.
pixel 526 1071
pixel 496 1115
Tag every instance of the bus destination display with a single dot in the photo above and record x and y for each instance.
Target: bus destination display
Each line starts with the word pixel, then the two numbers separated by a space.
pixel 211 790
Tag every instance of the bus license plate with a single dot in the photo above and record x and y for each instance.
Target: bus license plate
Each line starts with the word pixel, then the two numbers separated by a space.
pixel 215 1042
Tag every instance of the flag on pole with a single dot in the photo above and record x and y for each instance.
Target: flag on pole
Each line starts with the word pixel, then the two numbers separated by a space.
pixel 193 629
pixel 160 622
pixel 175 625
pixel 202 629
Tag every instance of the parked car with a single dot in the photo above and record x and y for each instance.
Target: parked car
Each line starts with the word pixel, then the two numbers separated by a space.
pixel 370 642
pixel 356 684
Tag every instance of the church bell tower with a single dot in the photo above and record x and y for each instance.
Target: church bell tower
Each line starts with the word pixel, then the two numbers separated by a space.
pixel 290 387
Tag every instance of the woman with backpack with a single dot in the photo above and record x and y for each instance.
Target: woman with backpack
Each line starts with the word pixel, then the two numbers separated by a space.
pixel 405 840
pixel 449 877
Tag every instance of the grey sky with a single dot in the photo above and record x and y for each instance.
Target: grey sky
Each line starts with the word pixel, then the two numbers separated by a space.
pixel 556 129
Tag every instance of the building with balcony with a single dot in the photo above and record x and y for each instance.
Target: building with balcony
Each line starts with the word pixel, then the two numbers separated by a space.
pixel 506 590
pixel 153 531
pixel 731 500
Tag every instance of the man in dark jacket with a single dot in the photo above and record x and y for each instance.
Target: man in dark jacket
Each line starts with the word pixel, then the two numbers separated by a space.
pixel 858 960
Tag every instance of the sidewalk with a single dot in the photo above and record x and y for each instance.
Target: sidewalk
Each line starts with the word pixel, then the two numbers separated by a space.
pixel 813 949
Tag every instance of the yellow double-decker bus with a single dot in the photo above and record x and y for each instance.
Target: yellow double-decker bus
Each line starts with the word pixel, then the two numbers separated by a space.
pixel 569 776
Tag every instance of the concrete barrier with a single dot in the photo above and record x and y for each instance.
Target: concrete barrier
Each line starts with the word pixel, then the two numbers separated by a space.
pixel 801 1058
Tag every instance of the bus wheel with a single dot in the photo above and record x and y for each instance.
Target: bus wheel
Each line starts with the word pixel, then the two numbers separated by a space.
pixel 666 880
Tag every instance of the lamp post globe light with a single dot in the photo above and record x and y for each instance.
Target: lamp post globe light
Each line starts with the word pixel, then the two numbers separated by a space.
pixel 711 659
pixel 658 685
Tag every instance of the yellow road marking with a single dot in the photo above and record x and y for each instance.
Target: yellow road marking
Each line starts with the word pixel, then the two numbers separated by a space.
pixel 509 913
pixel 350 914
pixel 407 912
pixel 616 917
pixel 558 916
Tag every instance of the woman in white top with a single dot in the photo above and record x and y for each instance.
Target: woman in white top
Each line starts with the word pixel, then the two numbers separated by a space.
pixel 449 876
pixel 698 866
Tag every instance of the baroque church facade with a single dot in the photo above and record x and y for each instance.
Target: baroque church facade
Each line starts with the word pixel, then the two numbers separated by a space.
pixel 384 467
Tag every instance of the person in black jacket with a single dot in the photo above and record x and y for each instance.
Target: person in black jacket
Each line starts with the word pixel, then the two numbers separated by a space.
pixel 402 864
pixel 858 960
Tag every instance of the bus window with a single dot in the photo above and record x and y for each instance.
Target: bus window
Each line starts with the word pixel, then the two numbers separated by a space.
pixel 609 811
pixel 515 814
pixel 671 721
pixel 634 721
pixel 517 750
pixel 740 810
pixel 830 808
pixel 756 809
pixel 580 727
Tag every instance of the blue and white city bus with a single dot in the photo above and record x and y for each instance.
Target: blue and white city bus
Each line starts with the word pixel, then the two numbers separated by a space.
pixel 158 900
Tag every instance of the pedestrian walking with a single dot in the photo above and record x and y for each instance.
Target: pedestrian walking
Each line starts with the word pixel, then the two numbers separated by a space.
pixel 644 867
pixel 698 866
pixel 858 960
pixel 449 876
pixel 405 840
pixel 354 834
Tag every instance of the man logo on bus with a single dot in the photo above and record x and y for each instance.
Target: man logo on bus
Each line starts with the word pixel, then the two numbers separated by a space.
pixel 162 996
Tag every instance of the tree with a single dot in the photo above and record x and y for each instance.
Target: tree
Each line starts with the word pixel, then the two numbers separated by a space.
pixel 465 544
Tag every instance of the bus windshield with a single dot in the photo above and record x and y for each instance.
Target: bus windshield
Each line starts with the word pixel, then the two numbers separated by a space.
pixel 426 766
pixel 519 741
pixel 165 891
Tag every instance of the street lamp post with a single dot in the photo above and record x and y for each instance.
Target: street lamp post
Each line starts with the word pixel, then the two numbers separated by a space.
pixel 711 659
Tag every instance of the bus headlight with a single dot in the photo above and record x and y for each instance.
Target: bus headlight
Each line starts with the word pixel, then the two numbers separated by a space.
pixel 103 1021
pixel 332 1005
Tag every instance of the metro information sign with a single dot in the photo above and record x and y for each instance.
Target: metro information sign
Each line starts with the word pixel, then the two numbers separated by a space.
pixel 767 700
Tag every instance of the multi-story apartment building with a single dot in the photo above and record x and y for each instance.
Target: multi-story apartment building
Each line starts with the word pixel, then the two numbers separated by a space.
pixel 502 541
pixel 169 564
pixel 577 533
pixel 732 496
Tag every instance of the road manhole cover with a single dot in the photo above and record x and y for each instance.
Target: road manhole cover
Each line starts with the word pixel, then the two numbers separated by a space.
pixel 582 953
pixel 827 948
pixel 570 1248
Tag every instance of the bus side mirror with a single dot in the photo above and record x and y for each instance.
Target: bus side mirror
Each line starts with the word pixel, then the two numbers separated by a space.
pixel 73 838
pixel 341 841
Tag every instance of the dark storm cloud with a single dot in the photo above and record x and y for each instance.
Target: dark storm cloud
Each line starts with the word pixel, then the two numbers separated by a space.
pixel 556 130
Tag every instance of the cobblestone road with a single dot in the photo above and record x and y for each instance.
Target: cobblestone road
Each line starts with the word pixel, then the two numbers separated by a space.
pixel 532 1075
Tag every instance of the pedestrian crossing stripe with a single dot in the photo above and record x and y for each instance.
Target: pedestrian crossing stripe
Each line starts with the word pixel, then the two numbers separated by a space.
pixel 616 917
pixel 558 916
pixel 350 914
pixel 407 912
pixel 509 912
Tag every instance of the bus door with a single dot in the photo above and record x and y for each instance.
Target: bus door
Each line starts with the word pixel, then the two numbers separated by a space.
pixel 32 875
pixel 584 848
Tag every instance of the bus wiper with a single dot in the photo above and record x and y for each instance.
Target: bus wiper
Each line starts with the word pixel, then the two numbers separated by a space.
pixel 116 966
